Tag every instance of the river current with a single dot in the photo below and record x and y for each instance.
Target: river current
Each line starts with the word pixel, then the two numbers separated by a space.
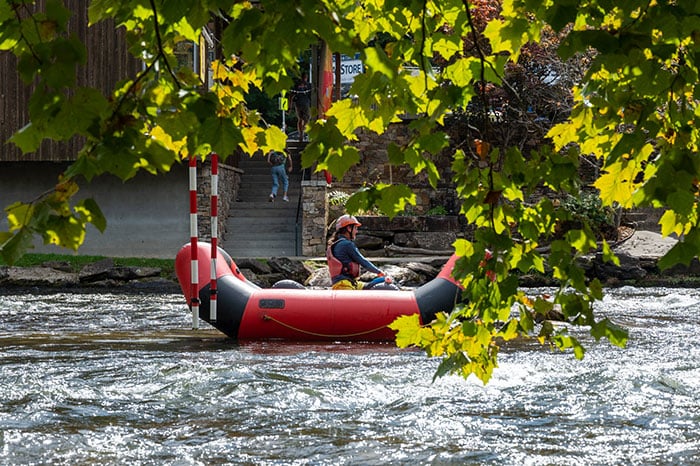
pixel 122 379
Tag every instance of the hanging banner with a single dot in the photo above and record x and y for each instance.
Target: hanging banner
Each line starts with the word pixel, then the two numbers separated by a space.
pixel 325 94
pixel 326 81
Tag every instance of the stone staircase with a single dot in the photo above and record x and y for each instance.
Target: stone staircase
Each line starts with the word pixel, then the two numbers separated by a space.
pixel 259 228
pixel 643 218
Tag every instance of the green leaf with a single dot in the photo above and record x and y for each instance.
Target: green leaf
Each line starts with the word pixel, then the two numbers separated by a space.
pixel 339 161
pixel 61 72
pixel 508 36
pixel 56 11
pixel 4 236
pixel 527 323
pixel 349 117
pixel 670 223
pixel 579 350
pixel 596 288
pixel 682 202
pixel 449 365
pixel 461 72
pixel 617 185
pixel 175 11
pixel 609 255
pixel 582 240
pixel 682 252
pixel 275 138
pixel 221 135
pixel 391 199
pixel 415 159
pixel 447 45
pixel 28 138
pixel 64 231
pixel 377 61
pixel 84 165
pixel 5 12
pixel 19 215
pixel 92 213
pixel 564 342
pixel 510 331
pixel 579 41
pixel 434 142
pixel 408 330
pixel 13 248
pixel 562 13
pixel 617 335
pixel 85 108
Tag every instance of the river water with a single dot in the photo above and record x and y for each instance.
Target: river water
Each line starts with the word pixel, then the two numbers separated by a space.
pixel 122 379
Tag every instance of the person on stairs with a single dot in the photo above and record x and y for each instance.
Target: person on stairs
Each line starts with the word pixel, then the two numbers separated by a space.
pixel 344 258
pixel 301 100
pixel 281 164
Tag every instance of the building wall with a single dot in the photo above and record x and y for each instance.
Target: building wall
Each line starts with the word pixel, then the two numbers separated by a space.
pixel 147 216
pixel 108 62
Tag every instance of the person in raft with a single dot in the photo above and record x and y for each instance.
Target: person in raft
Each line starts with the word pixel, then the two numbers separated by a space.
pixel 344 259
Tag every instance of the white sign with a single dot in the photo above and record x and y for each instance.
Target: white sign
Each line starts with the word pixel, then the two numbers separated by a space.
pixel 348 70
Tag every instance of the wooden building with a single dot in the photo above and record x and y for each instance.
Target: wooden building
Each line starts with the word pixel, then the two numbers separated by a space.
pixel 108 62
pixel 147 216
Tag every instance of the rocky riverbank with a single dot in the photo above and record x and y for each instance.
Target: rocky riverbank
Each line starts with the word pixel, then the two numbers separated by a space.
pixel 100 275
pixel 638 256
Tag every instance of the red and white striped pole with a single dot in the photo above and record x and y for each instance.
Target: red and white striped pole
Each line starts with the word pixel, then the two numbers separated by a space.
pixel 194 271
pixel 214 232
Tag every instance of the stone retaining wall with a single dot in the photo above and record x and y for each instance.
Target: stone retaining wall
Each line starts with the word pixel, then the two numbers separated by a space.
pixel 380 235
pixel 374 168
pixel 228 185
pixel 314 217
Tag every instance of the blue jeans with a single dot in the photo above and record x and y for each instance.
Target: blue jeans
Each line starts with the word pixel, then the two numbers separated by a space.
pixel 279 173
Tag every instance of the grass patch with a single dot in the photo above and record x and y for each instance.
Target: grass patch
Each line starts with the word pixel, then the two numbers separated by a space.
pixel 167 266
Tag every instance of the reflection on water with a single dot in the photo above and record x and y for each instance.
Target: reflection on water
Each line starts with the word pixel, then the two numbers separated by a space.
pixel 120 379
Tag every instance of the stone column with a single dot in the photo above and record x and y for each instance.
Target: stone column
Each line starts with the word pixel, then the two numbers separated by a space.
pixel 314 217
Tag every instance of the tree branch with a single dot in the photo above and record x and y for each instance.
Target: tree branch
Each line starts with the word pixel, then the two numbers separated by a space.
pixel 159 41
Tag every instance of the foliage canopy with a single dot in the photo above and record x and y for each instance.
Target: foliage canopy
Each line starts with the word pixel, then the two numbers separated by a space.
pixel 635 110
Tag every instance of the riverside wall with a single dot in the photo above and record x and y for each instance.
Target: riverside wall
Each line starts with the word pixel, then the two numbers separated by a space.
pixel 147 216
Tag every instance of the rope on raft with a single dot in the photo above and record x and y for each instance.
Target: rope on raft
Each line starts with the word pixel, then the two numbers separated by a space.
pixel 346 335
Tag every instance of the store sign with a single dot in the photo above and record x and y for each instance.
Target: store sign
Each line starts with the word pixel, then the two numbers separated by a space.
pixel 348 70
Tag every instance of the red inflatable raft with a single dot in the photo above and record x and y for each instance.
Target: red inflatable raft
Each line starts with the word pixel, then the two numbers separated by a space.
pixel 247 312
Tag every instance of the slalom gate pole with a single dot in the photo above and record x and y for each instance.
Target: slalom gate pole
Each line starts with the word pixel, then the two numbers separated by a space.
pixel 214 232
pixel 194 271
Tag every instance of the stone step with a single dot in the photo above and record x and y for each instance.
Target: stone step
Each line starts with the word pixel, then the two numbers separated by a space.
pixel 262 248
pixel 261 200
pixel 264 177
pixel 263 207
pixel 254 192
pixel 257 227
pixel 250 226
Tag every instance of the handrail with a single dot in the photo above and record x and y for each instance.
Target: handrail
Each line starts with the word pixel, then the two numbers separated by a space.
pixel 297 220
